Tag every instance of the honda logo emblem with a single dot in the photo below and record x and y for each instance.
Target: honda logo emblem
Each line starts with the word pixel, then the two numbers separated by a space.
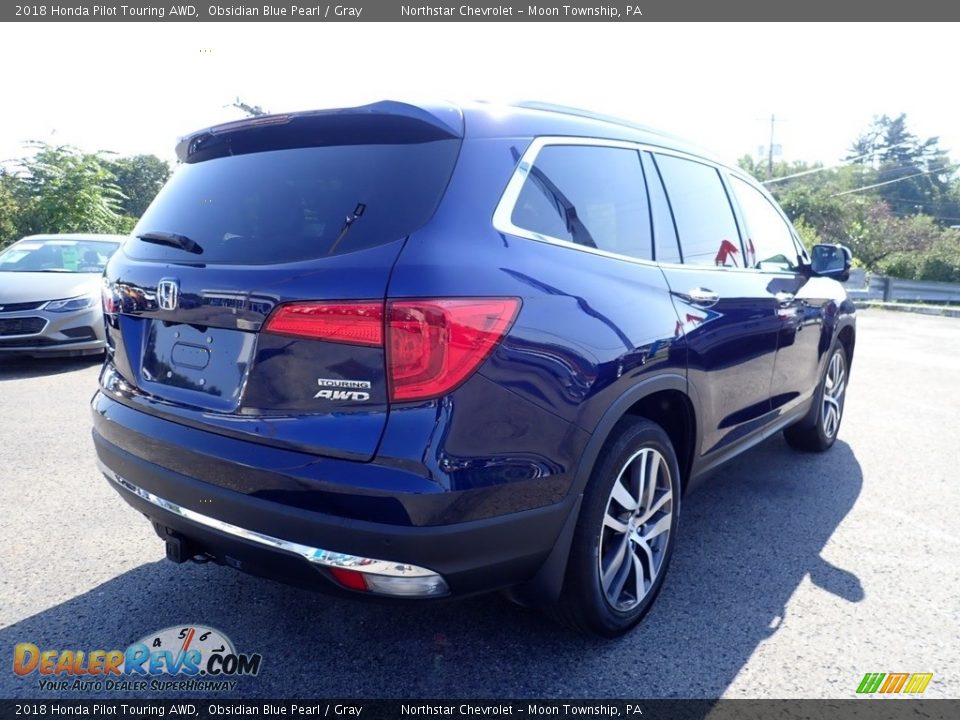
pixel 168 294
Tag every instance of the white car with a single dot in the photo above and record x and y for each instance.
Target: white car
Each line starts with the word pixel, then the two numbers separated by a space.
pixel 50 289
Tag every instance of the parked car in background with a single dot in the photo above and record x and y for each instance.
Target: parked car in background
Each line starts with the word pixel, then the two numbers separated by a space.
pixel 423 351
pixel 50 294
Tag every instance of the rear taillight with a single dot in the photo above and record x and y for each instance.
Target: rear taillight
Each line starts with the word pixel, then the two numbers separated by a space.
pixel 434 345
pixel 350 323
pixel 111 305
pixel 431 345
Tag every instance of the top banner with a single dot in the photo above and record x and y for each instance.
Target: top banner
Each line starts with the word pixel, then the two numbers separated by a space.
pixel 480 11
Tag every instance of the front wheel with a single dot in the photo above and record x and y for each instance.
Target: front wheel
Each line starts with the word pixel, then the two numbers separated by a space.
pixel 829 400
pixel 625 534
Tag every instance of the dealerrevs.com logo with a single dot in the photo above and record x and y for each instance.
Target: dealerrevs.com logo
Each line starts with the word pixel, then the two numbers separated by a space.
pixel 200 658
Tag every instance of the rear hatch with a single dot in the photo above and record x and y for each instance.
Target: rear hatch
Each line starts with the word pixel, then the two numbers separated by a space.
pixel 298 219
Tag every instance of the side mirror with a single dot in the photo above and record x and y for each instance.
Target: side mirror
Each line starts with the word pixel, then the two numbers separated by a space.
pixel 832 261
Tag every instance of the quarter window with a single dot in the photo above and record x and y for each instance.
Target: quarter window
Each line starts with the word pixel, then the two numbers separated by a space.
pixel 769 244
pixel 701 209
pixel 589 195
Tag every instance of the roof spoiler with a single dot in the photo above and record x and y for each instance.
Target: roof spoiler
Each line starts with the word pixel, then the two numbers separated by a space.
pixel 385 122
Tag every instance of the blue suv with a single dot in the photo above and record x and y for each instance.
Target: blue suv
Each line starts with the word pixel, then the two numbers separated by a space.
pixel 426 351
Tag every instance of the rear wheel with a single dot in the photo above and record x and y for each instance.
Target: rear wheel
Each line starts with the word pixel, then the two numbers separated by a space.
pixel 625 534
pixel 829 400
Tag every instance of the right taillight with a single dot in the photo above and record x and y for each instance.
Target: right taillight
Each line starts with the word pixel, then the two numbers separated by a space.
pixel 434 345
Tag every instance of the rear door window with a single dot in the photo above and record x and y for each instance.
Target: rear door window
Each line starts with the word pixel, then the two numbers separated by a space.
pixel 290 205
pixel 702 212
pixel 588 195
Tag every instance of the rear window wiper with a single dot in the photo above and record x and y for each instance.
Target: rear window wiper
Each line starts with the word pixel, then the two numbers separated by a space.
pixel 171 239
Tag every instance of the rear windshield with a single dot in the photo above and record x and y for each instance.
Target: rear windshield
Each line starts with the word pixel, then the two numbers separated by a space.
pixel 289 205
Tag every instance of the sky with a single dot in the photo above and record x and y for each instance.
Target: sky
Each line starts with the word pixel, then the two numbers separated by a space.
pixel 136 87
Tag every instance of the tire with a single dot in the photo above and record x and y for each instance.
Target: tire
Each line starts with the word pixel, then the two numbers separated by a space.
pixel 619 538
pixel 829 401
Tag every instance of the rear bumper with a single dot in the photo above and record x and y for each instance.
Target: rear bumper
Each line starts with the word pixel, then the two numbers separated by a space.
pixel 471 557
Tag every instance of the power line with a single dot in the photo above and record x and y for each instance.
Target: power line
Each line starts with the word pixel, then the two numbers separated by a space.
pixel 888 182
pixel 848 161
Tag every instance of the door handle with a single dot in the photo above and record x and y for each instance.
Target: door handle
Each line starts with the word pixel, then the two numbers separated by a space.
pixel 783 298
pixel 702 297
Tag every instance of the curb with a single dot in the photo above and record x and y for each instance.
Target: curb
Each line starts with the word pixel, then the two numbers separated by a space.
pixel 940 310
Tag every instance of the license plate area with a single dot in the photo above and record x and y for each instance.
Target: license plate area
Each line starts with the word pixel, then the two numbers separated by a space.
pixel 203 367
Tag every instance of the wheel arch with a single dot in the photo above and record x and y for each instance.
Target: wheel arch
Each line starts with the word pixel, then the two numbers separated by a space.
pixel 847 336
pixel 667 400
pixel 660 397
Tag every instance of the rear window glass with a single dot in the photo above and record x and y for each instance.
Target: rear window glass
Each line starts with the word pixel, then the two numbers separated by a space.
pixel 290 205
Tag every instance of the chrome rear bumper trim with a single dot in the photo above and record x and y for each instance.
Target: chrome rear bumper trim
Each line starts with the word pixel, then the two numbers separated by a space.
pixel 317 556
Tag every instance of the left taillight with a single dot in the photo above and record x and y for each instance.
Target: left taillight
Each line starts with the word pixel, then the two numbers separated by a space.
pixel 432 345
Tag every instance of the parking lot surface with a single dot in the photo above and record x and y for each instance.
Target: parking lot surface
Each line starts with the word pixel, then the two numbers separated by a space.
pixel 794 575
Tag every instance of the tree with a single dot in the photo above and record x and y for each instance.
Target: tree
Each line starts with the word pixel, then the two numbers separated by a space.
pixel 878 234
pixel 810 196
pixel 893 204
pixel 61 189
pixel 139 179
pixel 940 262
pixel 9 209
pixel 912 175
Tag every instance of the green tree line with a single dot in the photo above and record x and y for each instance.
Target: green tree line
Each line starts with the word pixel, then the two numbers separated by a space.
pixel 57 189
pixel 895 202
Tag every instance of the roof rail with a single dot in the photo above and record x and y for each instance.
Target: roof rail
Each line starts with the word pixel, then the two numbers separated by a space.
pixel 579 112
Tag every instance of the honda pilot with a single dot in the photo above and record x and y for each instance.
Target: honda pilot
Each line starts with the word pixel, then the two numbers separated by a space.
pixel 421 351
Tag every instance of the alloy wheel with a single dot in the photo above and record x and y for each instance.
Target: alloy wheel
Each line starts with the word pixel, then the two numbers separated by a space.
pixel 636 529
pixel 834 387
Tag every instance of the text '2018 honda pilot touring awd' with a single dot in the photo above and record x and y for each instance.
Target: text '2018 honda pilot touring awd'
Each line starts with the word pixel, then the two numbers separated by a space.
pixel 422 351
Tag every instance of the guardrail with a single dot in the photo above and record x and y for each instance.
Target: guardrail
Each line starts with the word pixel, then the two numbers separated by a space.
pixel 867 286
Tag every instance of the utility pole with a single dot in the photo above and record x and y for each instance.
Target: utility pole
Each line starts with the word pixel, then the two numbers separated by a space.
pixel 773 120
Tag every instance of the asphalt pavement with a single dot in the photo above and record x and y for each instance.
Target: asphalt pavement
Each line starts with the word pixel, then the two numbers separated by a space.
pixel 795 574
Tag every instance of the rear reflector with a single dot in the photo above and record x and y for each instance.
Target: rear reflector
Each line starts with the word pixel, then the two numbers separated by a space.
pixel 349 578
pixel 350 323
pixel 434 345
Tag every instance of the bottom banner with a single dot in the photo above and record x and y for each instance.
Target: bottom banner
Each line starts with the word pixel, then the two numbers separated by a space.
pixel 885 709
